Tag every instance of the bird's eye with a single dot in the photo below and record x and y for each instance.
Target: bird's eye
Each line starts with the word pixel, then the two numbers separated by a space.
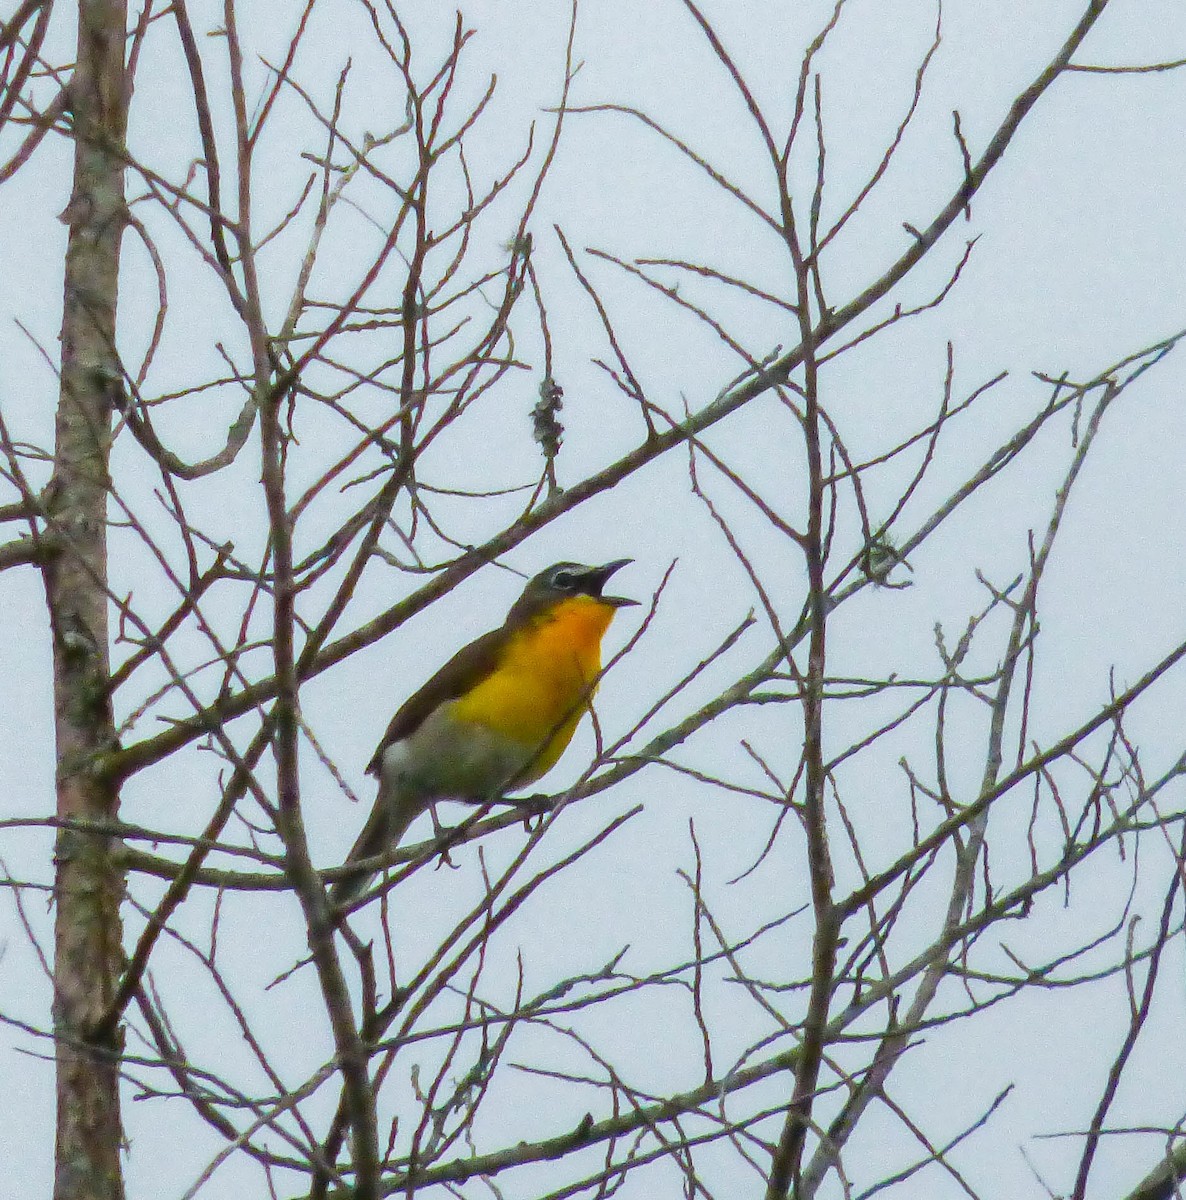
pixel 565 580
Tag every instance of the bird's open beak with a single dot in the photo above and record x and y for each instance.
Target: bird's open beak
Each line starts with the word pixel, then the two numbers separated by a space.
pixel 597 577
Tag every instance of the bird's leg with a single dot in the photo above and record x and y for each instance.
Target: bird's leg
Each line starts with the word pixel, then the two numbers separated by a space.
pixel 538 805
pixel 442 837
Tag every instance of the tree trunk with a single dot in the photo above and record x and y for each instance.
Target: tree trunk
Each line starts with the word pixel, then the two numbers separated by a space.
pixel 89 885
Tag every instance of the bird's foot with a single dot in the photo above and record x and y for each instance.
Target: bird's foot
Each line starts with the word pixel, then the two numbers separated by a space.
pixel 444 838
pixel 532 806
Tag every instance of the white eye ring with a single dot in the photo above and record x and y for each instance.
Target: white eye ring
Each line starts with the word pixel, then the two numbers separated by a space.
pixel 563 580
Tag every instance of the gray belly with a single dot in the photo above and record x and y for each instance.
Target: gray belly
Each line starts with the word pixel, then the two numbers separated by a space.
pixel 442 760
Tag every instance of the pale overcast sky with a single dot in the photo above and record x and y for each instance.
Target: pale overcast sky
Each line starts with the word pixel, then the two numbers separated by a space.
pixel 1079 263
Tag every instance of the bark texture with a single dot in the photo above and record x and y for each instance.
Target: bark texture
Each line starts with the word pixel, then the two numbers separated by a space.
pixel 88 884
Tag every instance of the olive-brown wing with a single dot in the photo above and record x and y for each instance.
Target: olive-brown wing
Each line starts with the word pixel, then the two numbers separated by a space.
pixel 467 667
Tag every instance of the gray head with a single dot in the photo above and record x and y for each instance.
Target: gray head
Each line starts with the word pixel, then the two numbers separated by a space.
pixel 566 579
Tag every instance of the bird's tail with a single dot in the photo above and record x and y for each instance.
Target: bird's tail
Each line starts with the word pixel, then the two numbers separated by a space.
pixel 387 824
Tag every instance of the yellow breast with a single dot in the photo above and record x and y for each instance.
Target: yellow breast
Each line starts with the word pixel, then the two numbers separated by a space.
pixel 544 682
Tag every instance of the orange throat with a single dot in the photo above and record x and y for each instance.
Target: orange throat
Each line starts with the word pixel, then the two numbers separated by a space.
pixel 545 681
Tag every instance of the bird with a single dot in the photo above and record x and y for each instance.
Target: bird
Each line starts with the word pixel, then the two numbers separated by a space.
pixel 497 716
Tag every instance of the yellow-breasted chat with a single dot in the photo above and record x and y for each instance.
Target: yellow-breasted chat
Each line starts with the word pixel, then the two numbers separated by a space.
pixel 497 715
